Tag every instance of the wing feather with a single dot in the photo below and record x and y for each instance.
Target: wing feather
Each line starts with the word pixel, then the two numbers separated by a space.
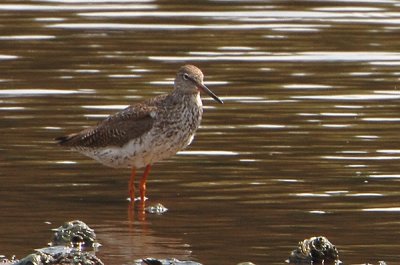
pixel 116 130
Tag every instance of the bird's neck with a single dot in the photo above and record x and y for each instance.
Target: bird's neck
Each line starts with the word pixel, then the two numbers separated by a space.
pixel 188 96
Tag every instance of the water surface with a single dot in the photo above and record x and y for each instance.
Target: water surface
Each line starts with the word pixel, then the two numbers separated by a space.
pixel 306 143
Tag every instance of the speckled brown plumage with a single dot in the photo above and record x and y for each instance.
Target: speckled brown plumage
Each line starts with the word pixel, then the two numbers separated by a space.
pixel 116 130
pixel 146 132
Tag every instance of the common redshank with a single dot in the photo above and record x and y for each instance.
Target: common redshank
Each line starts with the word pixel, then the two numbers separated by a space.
pixel 146 132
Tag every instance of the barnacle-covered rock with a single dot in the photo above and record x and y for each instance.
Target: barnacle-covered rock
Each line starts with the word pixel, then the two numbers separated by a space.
pixel 315 250
pixel 74 233
pixel 66 248
pixel 5 261
pixel 62 258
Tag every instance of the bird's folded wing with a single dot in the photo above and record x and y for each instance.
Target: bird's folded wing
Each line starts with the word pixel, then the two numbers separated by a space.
pixel 116 130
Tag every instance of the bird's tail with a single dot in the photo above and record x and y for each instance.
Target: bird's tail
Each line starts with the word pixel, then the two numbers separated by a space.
pixel 64 140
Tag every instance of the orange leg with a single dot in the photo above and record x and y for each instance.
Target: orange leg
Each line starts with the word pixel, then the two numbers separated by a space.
pixel 142 186
pixel 132 185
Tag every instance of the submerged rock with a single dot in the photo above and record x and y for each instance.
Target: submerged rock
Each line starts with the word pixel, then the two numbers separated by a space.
pixel 157 209
pixel 172 261
pixel 315 250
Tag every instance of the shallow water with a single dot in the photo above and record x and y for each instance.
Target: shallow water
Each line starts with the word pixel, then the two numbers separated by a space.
pixel 306 143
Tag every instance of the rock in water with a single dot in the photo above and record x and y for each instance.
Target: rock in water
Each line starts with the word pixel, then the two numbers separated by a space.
pixel 74 232
pixel 315 250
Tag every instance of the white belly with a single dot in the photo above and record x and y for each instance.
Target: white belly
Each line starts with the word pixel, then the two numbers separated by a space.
pixel 139 153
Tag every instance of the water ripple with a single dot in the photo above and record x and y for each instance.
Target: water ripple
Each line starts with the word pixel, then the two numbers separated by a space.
pixel 381 119
pixel 385 176
pixel 72 7
pixel 286 57
pixel 127 26
pixel 361 157
pixel 212 153
pixel 27 37
pixel 306 86
pixel 7 57
pixel 384 209
pixel 349 97
pixel 38 92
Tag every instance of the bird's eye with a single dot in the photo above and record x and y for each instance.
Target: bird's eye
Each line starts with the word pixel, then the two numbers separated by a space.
pixel 185 76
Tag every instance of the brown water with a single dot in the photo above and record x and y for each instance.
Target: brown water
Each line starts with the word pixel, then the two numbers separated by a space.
pixel 306 144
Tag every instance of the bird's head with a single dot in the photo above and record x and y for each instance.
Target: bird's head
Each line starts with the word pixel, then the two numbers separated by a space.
pixel 189 80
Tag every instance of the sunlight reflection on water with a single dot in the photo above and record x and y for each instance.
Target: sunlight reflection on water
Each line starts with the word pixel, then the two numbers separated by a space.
pixel 306 142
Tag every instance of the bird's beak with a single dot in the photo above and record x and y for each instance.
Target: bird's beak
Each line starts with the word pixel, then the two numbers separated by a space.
pixel 209 92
